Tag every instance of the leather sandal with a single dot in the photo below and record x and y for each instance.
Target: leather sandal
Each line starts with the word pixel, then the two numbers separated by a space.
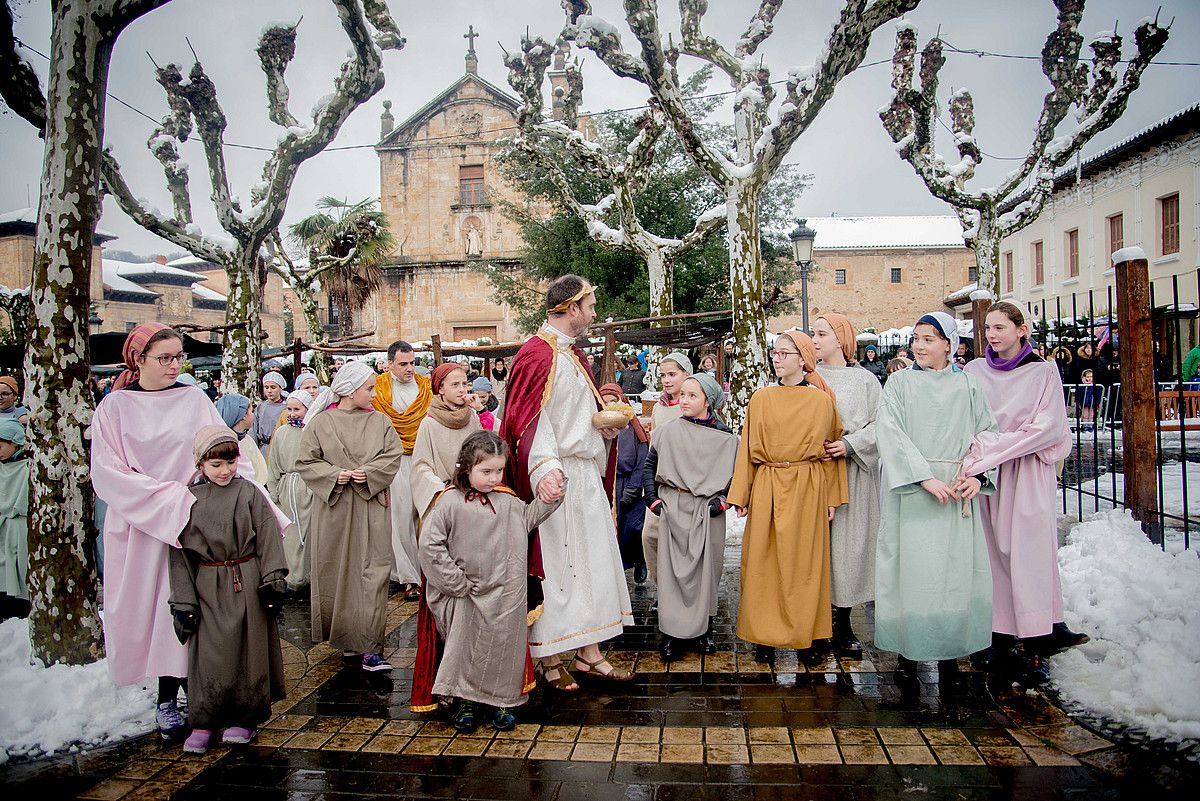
pixel 593 670
pixel 562 680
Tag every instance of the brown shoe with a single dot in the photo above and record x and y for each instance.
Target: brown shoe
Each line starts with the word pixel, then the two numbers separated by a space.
pixel 593 671
pixel 412 592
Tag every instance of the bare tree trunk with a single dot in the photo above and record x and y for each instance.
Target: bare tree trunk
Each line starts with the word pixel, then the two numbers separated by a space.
pixel 312 319
pixel 242 358
pixel 749 319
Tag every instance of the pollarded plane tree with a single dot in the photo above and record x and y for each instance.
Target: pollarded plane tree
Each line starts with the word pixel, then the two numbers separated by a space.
pixel 763 135
pixel 627 178
pixel 240 247
pixel 1098 96
pixel 64 623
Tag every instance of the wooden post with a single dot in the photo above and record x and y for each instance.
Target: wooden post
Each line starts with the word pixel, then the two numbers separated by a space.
pixel 297 362
pixel 435 342
pixel 1138 412
pixel 979 310
pixel 721 361
pixel 487 368
pixel 608 368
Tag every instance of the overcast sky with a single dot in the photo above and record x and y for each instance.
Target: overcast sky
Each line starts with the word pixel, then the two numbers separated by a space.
pixel 855 168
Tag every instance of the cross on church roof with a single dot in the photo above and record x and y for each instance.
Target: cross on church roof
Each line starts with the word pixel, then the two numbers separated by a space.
pixel 470 36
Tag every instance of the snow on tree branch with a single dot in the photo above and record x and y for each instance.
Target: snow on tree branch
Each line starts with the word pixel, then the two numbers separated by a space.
pixel 19 84
pixel 1096 94
pixel 276 49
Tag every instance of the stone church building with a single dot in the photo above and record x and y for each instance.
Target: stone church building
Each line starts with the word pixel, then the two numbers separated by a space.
pixel 440 189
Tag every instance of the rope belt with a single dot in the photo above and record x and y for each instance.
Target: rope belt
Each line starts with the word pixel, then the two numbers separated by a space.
pixel 237 571
pixel 966 505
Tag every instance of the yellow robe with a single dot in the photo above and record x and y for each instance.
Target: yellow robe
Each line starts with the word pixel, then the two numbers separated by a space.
pixel 788 490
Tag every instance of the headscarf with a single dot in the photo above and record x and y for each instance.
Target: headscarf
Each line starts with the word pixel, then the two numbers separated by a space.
pixel 12 431
pixel 440 372
pixel 209 437
pixel 808 353
pixel 306 375
pixel 681 359
pixel 422 370
pixel 189 379
pixel 481 384
pixel 639 430
pixel 232 408
pixel 301 395
pixel 712 392
pixel 135 343
pixel 946 325
pixel 843 329
pixel 276 378
pixel 11 383
pixel 352 376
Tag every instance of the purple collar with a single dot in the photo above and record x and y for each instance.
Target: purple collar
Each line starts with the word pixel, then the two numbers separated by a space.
pixel 1004 365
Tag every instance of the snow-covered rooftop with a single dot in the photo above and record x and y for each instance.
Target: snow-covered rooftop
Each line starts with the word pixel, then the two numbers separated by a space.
pixel 28 216
pixel 110 272
pixel 204 293
pixel 877 233
pixel 184 262
pixel 126 268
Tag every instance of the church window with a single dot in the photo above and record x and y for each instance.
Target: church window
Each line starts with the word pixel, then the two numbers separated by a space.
pixel 470 185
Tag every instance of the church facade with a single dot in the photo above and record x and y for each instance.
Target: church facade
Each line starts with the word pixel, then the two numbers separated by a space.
pixel 441 190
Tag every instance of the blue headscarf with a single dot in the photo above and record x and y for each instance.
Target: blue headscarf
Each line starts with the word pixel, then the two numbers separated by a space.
pixel 232 408
pixel 13 431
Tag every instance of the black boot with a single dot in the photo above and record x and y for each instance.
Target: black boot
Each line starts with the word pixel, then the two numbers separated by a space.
pixel 707 644
pixel 1028 669
pixel 764 653
pixel 669 650
pixel 1059 639
pixel 948 673
pixel 640 573
pixel 906 671
pixel 844 641
pixel 995 656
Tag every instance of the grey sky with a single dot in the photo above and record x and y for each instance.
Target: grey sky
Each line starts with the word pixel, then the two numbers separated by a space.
pixel 856 170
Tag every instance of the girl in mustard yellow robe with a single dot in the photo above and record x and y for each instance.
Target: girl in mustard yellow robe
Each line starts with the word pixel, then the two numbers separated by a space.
pixel 789 490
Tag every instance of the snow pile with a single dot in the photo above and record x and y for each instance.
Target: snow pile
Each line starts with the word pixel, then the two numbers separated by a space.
pixel 1139 606
pixel 62 707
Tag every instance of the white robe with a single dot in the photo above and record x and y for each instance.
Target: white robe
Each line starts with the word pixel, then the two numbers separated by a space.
pixel 404 531
pixel 587 600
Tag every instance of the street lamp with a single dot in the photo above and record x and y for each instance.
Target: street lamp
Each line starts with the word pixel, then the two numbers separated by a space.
pixel 94 319
pixel 802 247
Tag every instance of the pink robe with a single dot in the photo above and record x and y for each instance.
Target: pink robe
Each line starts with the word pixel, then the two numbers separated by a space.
pixel 1020 519
pixel 141 465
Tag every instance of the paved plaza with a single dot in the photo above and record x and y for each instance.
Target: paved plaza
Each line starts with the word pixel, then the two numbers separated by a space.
pixel 717 727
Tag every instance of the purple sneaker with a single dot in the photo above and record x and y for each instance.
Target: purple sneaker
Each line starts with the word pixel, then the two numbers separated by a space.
pixel 198 741
pixel 236 734
pixel 374 663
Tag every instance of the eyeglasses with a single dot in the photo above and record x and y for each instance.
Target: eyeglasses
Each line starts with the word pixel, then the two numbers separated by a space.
pixel 166 361
pixel 779 354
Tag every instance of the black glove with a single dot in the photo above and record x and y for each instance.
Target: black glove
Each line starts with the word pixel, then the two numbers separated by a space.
pixel 717 507
pixel 631 495
pixel 271 595
pixel 186 624
pixel 656 507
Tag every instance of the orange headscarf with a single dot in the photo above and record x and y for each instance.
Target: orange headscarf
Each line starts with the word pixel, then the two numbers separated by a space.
pixel 847 337
pixel 135 343
pixel 615 391
pixel 808 353
pixel 441 372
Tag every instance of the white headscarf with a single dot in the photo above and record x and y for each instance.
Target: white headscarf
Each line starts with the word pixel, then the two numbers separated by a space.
pixel 302 395
pixel 275 378
pixel 349 378
pixel 947 325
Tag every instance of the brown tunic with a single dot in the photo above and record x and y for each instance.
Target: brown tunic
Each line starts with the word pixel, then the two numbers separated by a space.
pixel 475 558
pixel 351 535
pixel 235 666
pixel 788 490
pixel 433 457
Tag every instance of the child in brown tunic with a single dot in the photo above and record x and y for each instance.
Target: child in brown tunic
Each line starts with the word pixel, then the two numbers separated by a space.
pixel 474 551
pixel 227 584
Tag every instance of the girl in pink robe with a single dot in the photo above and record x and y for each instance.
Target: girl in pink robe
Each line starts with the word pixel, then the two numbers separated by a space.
pixel 141 465
pixel 1020 519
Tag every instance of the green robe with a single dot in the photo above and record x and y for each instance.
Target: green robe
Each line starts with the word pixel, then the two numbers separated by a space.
pixel 933 582
pixel 14 527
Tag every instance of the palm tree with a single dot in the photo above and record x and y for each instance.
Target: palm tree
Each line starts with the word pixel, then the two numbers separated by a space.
pixel 355 236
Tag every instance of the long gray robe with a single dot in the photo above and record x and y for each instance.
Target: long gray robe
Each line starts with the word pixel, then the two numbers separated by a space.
pixel 433 457
pixel 855 526
pixel 475 558
pixel 235 665
pixel 695 464
pixel 351 535
pixel 294 498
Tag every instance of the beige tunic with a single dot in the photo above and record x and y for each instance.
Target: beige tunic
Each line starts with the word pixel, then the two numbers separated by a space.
pixel 475 557
pixel 660 415
pixel 434 455
pixel 294 497
pixel 855 525
pixel 695 464
pixel 350 538
pixel 404 529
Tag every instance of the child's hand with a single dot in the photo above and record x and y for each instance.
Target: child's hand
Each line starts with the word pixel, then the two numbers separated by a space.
pixel 939 490
pixel 831 510
pixel 345 476
pixel 359 475
pixel 474 402
pixel 186 624
pixel 967 487
pixel 656 507
pixel 742 511
pixel 835 449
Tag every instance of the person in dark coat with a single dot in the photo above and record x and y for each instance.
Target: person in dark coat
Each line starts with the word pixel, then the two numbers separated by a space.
pixel 633 445
pixel 873 364
pixel 633 377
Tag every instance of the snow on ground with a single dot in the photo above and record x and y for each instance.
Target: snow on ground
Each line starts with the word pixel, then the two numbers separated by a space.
pixel 1139 605
pixel 62 708
pixel 1172 500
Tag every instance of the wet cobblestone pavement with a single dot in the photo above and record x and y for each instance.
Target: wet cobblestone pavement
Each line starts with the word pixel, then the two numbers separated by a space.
pixel 719 727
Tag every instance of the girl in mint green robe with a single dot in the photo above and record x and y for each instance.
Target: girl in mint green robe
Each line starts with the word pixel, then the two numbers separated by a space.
pixel 933 582
pixel 14 516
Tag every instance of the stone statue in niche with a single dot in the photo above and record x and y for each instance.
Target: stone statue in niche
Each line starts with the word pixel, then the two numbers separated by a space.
pixel 474 238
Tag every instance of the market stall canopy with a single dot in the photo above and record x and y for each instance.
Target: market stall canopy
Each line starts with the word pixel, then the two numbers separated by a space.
pixel 682 335
pixel 106 350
